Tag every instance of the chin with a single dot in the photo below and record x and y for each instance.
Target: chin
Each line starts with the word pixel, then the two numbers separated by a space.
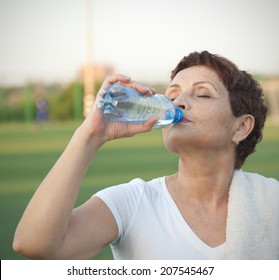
pixel 173 142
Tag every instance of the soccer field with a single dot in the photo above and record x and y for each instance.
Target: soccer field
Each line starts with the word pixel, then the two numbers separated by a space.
pixel 27 154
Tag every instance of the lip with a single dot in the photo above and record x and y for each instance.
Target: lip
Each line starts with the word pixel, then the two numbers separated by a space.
pixel 185 120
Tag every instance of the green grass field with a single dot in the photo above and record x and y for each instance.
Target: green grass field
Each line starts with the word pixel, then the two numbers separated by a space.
pixel 26 155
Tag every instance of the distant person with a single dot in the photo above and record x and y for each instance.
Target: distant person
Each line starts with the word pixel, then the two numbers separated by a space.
pixel 208 209
pixel 42 115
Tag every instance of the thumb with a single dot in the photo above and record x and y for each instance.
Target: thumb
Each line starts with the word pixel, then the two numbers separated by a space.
pixel 134 129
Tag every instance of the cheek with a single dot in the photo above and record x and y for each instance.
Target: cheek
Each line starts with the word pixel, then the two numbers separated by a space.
pixel 214 127
pixel 217 118
pixel 217 130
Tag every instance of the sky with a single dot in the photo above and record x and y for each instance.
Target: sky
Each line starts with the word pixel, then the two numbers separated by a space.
pixel 46 39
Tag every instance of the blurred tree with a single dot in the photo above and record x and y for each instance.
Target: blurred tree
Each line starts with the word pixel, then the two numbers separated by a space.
pixel 28 103
pixel 78 98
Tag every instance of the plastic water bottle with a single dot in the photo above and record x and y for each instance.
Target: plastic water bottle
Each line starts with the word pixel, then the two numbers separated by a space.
pixel 125 104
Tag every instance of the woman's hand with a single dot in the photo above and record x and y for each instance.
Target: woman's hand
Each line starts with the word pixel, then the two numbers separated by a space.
pixel 97 125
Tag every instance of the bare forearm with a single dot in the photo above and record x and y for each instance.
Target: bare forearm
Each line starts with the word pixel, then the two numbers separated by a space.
pixel 48 228
pixel 47 216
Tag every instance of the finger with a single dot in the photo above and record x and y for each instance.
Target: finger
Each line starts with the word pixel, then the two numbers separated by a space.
pixel 112 79
pixel 141 128
pixel 146 90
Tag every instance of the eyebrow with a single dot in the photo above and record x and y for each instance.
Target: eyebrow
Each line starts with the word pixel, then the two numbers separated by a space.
pixel 206 82
pixel 194 84
pixel 173 86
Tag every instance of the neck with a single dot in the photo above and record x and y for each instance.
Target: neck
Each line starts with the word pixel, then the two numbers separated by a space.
pixel 204 177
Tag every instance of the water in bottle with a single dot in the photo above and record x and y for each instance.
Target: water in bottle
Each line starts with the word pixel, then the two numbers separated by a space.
pixel 125 104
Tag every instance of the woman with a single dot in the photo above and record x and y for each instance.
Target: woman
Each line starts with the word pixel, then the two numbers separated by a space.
pixel 209 209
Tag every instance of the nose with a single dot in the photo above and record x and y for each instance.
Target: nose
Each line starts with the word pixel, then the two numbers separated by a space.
pixel 181 107
pixel 181 103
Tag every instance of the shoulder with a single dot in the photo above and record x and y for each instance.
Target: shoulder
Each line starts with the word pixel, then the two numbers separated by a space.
pixel 125 200
pixel 253 217
pixel 255 185
pixel 133 190
pixel 254 194
pixel 256 180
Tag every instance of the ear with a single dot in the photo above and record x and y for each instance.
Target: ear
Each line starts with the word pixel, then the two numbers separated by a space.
pixel 245 125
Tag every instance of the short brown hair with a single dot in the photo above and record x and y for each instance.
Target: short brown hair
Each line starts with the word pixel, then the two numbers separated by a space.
pixel 245 94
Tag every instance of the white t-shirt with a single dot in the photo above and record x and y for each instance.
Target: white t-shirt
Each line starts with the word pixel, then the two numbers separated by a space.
pixel 150 225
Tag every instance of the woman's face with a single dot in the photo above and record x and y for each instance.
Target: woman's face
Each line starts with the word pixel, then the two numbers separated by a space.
pixel 208 119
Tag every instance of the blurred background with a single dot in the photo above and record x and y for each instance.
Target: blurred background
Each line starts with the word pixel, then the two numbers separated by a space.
pixel 55 54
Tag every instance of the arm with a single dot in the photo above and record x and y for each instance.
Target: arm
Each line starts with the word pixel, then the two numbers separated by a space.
pixel 50 227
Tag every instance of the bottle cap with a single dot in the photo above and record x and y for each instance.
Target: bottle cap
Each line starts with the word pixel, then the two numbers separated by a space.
pixel 178 116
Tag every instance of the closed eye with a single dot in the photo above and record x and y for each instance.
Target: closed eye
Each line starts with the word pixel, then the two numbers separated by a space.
pixel 204 96
pixel 202 92
pixel 171 98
